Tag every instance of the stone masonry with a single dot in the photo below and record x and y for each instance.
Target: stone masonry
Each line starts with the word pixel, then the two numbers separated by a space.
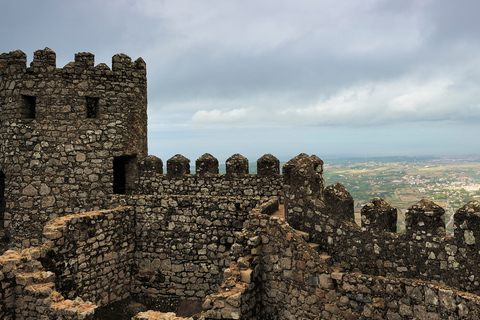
pixel 68 136
pixel 90 223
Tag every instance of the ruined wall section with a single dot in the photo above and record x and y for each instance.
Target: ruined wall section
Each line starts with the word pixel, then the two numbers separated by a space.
pixel 183 243
pixel 28 291
pixel 297 283
pixel 61 131
pixel 237 182
pixel 423 252
pixel 91 254
pixel 240 294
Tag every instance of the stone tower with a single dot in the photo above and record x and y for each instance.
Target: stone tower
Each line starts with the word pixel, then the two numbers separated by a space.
pixel 70 137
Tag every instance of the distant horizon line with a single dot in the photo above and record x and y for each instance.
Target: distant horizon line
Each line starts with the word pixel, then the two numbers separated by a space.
pixel 253 168
pixel 359 157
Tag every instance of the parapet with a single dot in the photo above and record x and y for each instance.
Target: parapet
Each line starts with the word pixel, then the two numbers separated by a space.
pixel 339 202
pixel 152 164
pixel 303 190
pixel 45 61
pixel 425 218
pixel 79 90
pixel 237 166
pixel 178 166
pixel 268 165
pixel 378 215
pixel 467 224
pixel 304 174
pixel 13 61
pixel 206 165
pixel 83 61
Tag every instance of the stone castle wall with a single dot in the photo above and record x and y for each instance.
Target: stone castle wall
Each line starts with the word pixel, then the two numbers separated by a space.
pixel 237 182
pixel 74 139
pixel 423 252
pixel 183 242
pixel 87 255
pixel 283 277
pixel 158 246
pixel 175 245
pixel 91 254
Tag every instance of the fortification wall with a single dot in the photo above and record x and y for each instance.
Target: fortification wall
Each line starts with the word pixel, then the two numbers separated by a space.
pixel 423 252
pixel 68 136
pixel 237 182
pixel 87 257
pixel 273 273
pixel 182 243
pixel 174 246
pixel 75 139
pixel 292 281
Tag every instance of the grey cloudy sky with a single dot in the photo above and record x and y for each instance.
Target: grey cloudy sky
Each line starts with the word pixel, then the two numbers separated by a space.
pixel 332 78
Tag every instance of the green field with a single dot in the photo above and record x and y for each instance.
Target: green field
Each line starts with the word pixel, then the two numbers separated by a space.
pixel 402 181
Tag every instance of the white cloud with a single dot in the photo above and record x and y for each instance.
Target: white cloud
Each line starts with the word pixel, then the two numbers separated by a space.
pixel 224 117
pixel 397 101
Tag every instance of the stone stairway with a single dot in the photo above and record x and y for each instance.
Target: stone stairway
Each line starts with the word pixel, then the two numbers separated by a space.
pixel 30 293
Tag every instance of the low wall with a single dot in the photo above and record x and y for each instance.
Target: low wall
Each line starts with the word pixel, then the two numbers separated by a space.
pixel 28 292
pixel 420 254
pixel 91 254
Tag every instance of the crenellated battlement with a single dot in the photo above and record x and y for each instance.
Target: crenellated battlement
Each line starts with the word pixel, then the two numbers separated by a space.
pixel 13 61
pixel 379 216
pixel 79 90
pixel 237 181
pixel 207 165
pixel 45 61
pixel 425 219
pixel 423 252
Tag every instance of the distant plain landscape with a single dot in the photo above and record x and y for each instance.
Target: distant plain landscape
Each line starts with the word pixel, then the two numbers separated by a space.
pixel 448 181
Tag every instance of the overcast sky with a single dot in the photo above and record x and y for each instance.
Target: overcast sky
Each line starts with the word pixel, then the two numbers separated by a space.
pixel 331 78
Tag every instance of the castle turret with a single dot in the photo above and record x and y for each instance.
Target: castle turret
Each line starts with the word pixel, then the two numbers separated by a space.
pixel 70 136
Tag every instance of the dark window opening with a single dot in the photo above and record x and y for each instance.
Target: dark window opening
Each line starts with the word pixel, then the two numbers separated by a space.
pixel 92 107
pixel 124 174
pixel 29 104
